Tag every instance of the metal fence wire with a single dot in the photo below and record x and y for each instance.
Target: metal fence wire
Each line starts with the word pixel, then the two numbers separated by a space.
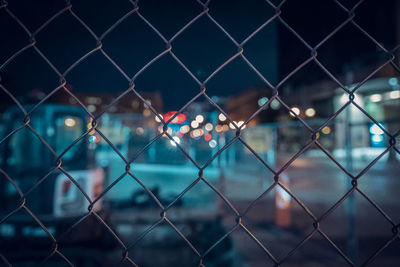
pixel 57 249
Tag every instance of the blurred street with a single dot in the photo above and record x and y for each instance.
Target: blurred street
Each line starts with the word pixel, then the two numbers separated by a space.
pixel 319 183
pixel 314 179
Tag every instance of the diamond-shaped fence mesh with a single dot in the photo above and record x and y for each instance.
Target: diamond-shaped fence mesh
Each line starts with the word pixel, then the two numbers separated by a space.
pixel 236 219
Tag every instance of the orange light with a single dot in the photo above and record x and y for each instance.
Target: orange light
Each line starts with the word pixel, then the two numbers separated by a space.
pixel 146 112
pixel 326 130
pixel 196 133
pixel 89 126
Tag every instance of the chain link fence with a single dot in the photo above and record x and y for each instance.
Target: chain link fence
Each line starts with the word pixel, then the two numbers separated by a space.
pixel 313 135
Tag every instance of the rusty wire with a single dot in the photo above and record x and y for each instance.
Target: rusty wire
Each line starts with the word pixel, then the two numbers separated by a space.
pixel 313 57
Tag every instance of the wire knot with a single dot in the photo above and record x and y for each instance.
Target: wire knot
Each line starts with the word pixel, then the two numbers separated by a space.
pixel 22 202
pixel 27 120
pixel 392 141
pixel 163 214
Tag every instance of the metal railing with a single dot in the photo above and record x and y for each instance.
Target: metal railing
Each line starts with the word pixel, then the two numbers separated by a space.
pixel 202 84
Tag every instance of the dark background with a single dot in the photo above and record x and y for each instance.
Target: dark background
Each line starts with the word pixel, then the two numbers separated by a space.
pixel 275 51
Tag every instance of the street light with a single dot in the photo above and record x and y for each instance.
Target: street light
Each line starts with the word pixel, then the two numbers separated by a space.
pixel 139 130
pixel 157 119
pixel 326 130
pixel 275 104
pixel 393 81
pixel 232 125
pixel 394 94
pixel 70 122
pixel 222 117
pixel 310 112
pixel 199 118
pixel 212 143
pixel 209 126
pixel 293 111
pixel 146 112
pixel 176 139
pixel 375 98
pixel 196 133
pixel 194 124
pixel 184 129
pixel 262 101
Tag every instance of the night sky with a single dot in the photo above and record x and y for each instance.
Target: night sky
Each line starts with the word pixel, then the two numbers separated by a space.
pixel 202 47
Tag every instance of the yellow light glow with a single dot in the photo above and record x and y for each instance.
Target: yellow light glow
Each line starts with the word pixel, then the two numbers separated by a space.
pixel 70 122
pixel 194 124
pixel 294 110
pixel 240 123
pixel 89 126
pixel 222 117
pixel 146 112
pixel 199 118
pixel 184 129
pixel 310 112
pixel 157 119
pixel 139 130
pixel 175 120
pixel 326 130
pixel 209 127
pixel 196 133
pixel 169 130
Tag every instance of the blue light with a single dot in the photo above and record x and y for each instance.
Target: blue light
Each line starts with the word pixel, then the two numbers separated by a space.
pixel 376 130
pixel 393 81
pixel 377 135
pixel 262 101
pixel 212 143
pixel 377 138
pixel 92 139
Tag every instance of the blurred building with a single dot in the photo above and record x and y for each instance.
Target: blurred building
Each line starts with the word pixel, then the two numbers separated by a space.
pixel 242 106
pixel 128 104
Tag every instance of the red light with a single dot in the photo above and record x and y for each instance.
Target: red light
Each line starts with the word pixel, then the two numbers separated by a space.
pixel 207 137
pixel 179 119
